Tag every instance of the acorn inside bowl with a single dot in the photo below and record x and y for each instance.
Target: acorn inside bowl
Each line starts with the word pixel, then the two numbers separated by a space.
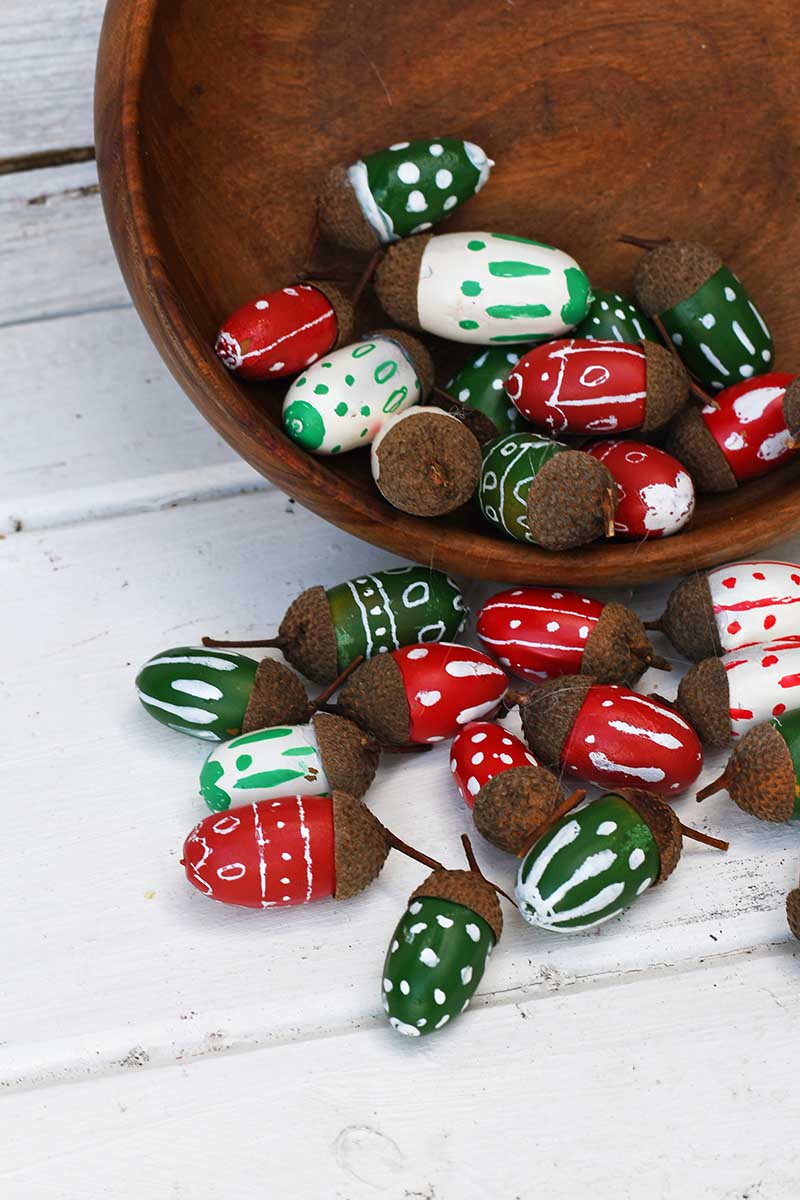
pixel 216 122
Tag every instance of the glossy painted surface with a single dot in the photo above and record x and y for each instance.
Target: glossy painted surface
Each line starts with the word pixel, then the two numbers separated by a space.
pixel 788 726
pixel 448 686
pixel 538 633
pixel 589 867
pixel 197 691
pixel 612 317
pixel 749 426
pixel 763 682
pixel 262 766
pixel 273 853
pixel 755 602
pixel 655 493
pixel 482 750
pixel 510 464
pixel 278 333
pixel 479 384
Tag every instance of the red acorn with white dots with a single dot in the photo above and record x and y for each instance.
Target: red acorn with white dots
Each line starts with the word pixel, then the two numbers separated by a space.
pixel 655 495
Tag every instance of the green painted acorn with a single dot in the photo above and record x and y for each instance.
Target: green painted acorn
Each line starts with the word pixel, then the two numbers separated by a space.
pixel 762 776
pixel 479 386
pixel 615 318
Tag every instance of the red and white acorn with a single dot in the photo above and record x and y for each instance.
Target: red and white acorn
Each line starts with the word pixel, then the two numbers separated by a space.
pixel 655 494
pixel 483 750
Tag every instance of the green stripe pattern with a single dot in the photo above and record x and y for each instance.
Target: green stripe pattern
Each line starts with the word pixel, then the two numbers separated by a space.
pixel 197 691
pixel 510 464
pixel 264 765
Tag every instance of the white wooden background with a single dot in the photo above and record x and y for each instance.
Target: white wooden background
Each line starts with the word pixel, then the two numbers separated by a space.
pixel 155 1045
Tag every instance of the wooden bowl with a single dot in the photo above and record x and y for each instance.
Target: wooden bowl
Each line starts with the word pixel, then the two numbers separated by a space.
pixel 216 120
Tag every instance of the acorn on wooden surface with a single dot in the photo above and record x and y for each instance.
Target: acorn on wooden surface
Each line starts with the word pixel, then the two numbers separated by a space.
pixel 655 495
pixel 714 325
pixel 282 332
pixel 578 386
pixel 750 432
pixel 425 461
pixel 610 736
pixel 737 604
pixel 615 318
pixel 479 385
pixel 406 188
pixel 481 287
pixel 723 697
pixel 762 775
pixel 422 693
pixel 323 631
pixel 793 911
pixel 540 491
pixel 539 634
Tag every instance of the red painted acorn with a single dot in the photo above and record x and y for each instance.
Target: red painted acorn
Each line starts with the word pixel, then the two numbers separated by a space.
pixel 540 634
pixel 422 693
pixel 281 332
pixel 610 736
pixel 655 495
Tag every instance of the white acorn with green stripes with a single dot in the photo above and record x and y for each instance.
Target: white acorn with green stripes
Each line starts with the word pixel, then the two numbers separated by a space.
pixel 264 765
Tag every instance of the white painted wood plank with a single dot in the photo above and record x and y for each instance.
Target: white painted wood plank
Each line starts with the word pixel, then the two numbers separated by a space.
pixel 672 1085
pixel 99 799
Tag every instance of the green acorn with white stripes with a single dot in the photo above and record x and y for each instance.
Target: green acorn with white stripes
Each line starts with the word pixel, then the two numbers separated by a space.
pixel 479 386
pixel 615 318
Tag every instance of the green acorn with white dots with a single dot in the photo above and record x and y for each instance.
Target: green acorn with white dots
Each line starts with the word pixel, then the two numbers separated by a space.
pixel 615 318
pixel 479 385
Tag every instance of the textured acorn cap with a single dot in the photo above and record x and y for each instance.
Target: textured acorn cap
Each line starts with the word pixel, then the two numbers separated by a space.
pixel 340 215
pixel 664 826
pixel 397 279
pixel 704 701
pixel 278 698
pixel 688 620
pixel 428 463
pixel 670 273
pixel 310 636
pixel 689 440
pixel 348 758
pixel 375 698
pixel 791 407
pixel 360 845
pixel 617 648
pixel 548 714
pixel 342 308
pixel 565 501
pixel 467 888
pixel 513 804
pixel 667 386
pixel 760 775
pixel 793 911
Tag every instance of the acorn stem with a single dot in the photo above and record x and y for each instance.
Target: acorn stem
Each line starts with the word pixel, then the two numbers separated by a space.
pixel 608 507
pixel 397 843
pixel 474 865
pixel 657 624
pixel 405 748
pixel 705 838
pixel 694 387
pixel 365 276
pixel 661 700
pixel 325 695
pixel 216 644
pixel 558 812
pixel 312 243
pixel 716 785
pixel 437 391
pixel 514 697
pixel 645 653
pixel 630 239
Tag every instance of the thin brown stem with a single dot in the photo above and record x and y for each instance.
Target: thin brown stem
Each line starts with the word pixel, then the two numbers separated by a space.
pixel 647 655
pixel 474 865
pixel 365 276
pixel 216 644
pixel 608 507
pixel 561 810
pixel 397 843
pixel 716 785
pixel 657 625
pixel 630 239
pixel 312 243
pixel 661 700
pixel 694 387
pixel 705 838
pixel 336 683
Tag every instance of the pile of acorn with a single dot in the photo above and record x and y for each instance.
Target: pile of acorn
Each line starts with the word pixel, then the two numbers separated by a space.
pixel 286 780
pixel 685 367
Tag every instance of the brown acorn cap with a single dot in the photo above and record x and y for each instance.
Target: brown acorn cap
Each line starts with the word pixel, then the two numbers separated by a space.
pixel 688 620
pixel 360 845
pixel 278 698
pixel 689 440
pixel 549 713
pixel 310 636
pixel 374 697
pixel 673 272
pixel 428 463
pixel 467 888
pixel 667 386
pixel 511 805
pixel 417 354
pixel 793 911
pixel 664 826
pixel 348 758
pixel 342 308
pixel 617 649
pixel 340 215
pixel 704 701
pixel 791 407
pixel 760 775
pixel 397 279
pixel 565 501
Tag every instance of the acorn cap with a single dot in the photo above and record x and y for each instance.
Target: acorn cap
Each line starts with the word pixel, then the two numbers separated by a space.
pixel 397 279
pixel 617 649
pixel 310 636
pixel 340 215
pixel 360 845
pixel 342 308
pixel 548 714
pixel 427 463
pixel 348 758
pixel 467 888
pixel 374 697
pixel 278 698
pixel 793 911
pixel 673 272
pixel 667 386
pixel 565 501
pixel 511 805
pixel 760 775
pixel 664 826
pixel 704 701
pixel 417 354
pixel 791 407
pixel 688 620
pixel 689 440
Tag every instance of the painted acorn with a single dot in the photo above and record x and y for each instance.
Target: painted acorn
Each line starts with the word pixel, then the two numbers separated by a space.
pixel 723 697
pixel 484 288
pixel 596 861
pixel 539 634
pixel 578 386
pixel 323 631
pixel 425 461
pixel 793 911
pixel 750 433
pixel 706 311
pixel 282 332
pixel 655 495
pixel 615 318
pixel 610 736
pixel 479 385
pixel 762 775
pixel 345 398
pixel 422 693
pixel 401 190
pixel 540 491
pixel 738 604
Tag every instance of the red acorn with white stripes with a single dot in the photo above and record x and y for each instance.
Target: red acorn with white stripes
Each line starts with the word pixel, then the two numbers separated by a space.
pixel 539 634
